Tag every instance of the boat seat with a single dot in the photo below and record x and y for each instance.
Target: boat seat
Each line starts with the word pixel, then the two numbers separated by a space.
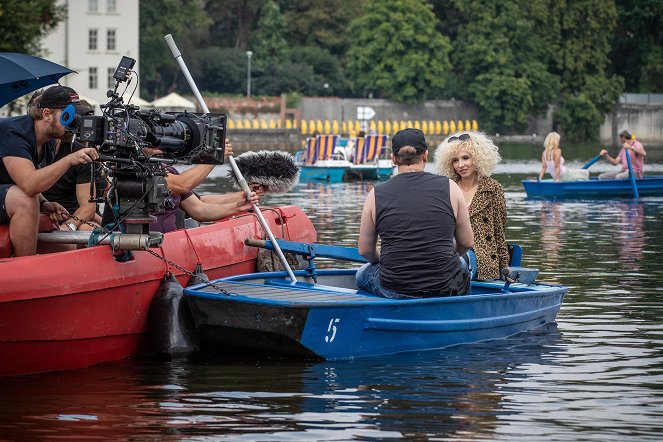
pixel 6 250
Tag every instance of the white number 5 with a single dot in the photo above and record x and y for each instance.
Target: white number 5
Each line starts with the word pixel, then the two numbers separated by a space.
pixel 332 329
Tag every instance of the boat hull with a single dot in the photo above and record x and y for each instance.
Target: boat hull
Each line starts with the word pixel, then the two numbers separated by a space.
pixel 368 172
pixel 81 307
pixel 593 188
pixel 325 174
pixel 332 320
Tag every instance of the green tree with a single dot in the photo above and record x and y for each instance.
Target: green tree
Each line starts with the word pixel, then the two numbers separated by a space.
pixel 501 59
pixel 26 22
pixel 396 51
pixel 636 53
pixel 326 66
pixel 219 70
pixel 187 22
pixel 268 42
pixel 321 23
pixel 233 21
pixel 587 92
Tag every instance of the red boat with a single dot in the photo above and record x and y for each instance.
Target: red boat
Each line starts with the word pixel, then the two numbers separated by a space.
pixel 77 308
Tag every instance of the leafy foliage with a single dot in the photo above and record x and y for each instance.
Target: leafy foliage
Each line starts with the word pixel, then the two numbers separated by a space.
pixel 26 22
pixel 587 92
pixel 186 21
pixel 501 61
pixel 636 45
pixel 396 51
pixel 269 43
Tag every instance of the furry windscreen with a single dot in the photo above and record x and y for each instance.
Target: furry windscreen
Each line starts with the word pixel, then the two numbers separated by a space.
pixel 276 171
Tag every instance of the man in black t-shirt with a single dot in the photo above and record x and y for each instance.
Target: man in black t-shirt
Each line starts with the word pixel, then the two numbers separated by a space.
pixel 24 141
pixel 72 190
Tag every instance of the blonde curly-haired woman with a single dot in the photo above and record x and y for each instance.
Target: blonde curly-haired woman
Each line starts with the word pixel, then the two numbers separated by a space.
pixel 469 160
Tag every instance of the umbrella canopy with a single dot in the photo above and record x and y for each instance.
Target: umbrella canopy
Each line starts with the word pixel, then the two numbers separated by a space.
pixel 174 101
pixel 140 102
pixel 21 74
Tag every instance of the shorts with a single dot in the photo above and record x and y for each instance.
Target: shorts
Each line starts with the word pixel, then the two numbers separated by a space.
pixel 4 216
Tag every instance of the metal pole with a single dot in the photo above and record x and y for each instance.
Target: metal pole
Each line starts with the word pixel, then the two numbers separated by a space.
pixel 248 73
pixel 240 178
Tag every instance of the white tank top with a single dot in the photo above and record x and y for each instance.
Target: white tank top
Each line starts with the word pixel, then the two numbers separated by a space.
pixel 550 167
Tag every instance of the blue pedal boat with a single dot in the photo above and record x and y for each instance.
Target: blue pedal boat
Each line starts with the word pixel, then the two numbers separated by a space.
pixel 593 188
pixel 323 315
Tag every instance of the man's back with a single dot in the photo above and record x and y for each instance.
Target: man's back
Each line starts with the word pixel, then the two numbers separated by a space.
pixel 416 223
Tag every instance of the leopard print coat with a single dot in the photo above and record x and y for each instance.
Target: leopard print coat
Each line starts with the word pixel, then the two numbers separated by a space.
pixel 488 220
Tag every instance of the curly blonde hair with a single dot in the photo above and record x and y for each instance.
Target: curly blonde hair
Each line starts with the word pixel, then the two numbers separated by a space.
pixel 484 153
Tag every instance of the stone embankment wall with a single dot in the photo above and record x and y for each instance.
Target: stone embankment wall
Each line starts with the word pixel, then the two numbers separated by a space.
pixel 645 120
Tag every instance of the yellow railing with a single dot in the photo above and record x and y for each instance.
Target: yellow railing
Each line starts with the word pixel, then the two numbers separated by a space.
pixel 353 127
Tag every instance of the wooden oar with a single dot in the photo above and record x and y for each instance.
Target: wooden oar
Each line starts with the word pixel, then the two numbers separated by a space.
pixel 592 161
pixel 240 179
pixel 631 174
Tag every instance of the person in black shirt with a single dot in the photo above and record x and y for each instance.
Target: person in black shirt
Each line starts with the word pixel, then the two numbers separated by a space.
pixel 423 224
pixel 24 141
pixel 72 190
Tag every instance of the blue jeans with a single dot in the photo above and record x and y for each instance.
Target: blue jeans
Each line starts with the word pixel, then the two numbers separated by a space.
pixel 368 278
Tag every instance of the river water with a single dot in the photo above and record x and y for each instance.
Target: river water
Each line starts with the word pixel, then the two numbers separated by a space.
pixel 595 375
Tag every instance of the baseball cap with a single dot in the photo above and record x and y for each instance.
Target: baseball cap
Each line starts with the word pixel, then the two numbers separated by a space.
pixel 59 97
pixel 409 137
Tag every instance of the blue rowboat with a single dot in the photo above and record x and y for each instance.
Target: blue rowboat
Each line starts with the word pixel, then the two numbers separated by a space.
pixel 593 188
pixel 319 172
pixel 325 316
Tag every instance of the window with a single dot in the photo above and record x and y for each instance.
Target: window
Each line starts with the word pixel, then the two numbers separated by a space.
pixel 92 39
pixel 111 80
pixel 92 78
pixel 110 39
pixel 111 5
pixel 92 5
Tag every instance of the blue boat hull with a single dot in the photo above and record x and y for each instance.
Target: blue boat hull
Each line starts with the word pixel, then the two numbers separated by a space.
pixel 593 188
pixel 368 173
pixel 322 174
pixel 333 320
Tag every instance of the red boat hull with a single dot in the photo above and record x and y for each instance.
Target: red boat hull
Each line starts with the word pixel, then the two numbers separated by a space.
pixel 74 309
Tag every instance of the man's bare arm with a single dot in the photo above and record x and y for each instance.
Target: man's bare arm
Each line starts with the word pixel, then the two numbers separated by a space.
pixel 368 237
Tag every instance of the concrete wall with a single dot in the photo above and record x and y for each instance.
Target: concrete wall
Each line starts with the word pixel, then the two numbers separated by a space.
pixel 340 109
pixel 643 120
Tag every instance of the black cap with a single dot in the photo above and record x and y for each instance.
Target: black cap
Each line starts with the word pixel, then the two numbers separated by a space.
pixel 59 97
pixel 409 137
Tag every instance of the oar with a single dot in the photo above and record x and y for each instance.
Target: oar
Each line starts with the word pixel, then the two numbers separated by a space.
pixel 592 161
pixel 631 174
pixel 240 179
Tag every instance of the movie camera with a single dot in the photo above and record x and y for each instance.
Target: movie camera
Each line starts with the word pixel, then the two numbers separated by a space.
pixel 125 136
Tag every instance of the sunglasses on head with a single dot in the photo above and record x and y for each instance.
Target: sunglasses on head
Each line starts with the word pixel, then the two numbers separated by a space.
pixel 461 137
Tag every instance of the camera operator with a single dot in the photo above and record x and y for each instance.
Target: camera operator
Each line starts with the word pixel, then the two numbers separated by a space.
pixel 24 142
pixel 72 190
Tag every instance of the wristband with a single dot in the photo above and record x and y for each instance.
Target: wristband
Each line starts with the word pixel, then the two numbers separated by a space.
pixel 71 226
pixel 41 204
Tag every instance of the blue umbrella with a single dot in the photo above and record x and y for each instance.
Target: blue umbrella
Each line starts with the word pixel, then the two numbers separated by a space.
pixel 21 74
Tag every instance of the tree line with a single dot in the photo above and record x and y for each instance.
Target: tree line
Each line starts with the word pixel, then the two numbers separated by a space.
pixel 513 59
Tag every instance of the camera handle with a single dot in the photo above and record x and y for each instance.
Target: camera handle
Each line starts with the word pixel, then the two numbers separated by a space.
pixel 240 179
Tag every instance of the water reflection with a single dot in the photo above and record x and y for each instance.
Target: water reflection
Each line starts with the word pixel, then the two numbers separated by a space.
pixel 551 219
pixel 630 234
pixel 600 379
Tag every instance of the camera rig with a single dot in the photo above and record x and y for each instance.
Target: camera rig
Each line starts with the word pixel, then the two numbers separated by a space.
pixel 125 135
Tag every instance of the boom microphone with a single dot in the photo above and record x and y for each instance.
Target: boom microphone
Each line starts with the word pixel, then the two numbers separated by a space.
pixel 275 171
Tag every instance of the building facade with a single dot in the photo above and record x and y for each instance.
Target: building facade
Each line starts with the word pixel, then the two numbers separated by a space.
pixel 91 41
